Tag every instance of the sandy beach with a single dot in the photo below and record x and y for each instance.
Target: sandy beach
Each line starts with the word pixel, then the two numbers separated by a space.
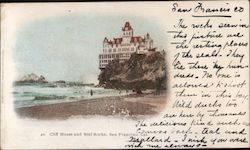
pixel 126 106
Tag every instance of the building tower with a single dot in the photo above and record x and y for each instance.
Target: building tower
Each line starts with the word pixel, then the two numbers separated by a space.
pixel 127 33
pixel 148 42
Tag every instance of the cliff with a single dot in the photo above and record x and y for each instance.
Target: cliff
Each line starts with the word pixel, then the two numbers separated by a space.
pixel 141 71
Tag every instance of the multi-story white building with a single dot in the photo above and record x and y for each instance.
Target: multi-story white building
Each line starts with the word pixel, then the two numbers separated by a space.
pixel 122 47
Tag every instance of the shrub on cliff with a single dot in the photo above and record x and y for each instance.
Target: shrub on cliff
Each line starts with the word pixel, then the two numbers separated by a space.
pixel 141 71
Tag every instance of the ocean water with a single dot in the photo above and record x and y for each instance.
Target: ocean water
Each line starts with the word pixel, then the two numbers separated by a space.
pixel 43 94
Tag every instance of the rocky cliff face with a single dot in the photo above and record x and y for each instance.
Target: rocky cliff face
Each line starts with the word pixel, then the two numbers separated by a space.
pixel 141 71
pixel 32 78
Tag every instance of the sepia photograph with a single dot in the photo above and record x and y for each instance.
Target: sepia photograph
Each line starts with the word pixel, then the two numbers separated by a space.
pixel 85 65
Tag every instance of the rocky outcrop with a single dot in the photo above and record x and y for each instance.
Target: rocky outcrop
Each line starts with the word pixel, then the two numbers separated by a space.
pixel 141 71
pixel 60 81
pixel 32 78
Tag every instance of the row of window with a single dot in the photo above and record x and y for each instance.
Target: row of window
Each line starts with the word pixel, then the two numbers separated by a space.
pixel 121 45
pixel 103 63
pixel 103 56
pixel 127 33
pixel 114 50
pixel 109 60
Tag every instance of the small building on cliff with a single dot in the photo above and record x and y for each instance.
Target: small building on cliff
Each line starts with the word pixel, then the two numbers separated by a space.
pixel 122 47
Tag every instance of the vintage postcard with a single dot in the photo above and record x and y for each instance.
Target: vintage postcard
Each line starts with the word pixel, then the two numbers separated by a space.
pixel 127 75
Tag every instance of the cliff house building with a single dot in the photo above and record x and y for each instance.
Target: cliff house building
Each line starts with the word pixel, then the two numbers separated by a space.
pixel 122 47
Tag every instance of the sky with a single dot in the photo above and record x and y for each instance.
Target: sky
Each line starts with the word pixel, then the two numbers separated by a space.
pixel 67 47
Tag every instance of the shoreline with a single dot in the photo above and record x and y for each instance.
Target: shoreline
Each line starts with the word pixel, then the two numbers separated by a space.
pixel 125 106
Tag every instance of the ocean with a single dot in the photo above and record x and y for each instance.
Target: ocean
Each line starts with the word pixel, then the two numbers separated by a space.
pixel 34 94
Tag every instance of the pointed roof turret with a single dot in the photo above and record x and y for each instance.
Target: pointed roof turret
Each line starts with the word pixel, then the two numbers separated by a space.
pixel 127 26
pixel 105 40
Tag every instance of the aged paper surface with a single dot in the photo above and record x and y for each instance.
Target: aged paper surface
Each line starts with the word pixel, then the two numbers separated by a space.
pixel 125 75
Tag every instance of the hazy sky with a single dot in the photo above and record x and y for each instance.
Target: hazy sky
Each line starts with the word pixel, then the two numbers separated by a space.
pixel 67 47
